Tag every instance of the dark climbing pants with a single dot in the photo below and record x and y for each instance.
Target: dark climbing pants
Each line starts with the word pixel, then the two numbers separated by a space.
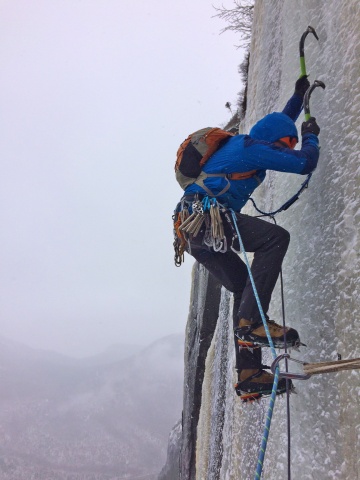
pixel 269 244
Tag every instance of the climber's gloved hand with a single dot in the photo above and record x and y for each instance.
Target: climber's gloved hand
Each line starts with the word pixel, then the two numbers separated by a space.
pixel 310 126
pixel 301 85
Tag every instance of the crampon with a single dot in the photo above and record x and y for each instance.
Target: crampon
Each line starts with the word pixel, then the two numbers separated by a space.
pixel 246 397
pixel 254 345
pixel 260 385
pixel 254 335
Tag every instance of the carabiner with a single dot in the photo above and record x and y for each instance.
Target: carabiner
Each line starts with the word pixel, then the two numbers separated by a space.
pixel 294 376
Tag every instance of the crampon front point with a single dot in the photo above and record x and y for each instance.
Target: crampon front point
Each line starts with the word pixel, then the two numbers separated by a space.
pixel 246 397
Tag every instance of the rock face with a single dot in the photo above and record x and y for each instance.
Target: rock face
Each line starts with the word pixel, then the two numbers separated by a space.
pixel 200 329
pixel 201 325
pixel 221 438
pixel 171 470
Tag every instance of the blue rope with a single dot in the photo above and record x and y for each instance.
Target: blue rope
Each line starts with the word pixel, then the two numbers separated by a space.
pixel 265 437
pixel 242 249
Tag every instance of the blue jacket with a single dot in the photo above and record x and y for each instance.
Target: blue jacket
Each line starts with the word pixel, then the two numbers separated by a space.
pixel 256 151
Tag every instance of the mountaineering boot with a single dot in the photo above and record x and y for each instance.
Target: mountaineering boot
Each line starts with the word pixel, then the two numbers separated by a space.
pixel 255 333
pixel 254 383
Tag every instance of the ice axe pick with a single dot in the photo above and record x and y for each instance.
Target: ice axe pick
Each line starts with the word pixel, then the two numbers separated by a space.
pixel 302 51
pixel 317 83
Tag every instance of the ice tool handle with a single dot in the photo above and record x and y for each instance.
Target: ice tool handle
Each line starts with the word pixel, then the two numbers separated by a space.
pixel 317 83
pixel 302 50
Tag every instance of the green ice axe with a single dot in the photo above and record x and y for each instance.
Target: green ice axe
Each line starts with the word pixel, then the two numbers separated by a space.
pixel 317 83
pixel 301 46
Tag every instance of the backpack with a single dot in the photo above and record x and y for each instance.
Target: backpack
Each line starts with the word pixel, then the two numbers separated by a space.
pixel 195 151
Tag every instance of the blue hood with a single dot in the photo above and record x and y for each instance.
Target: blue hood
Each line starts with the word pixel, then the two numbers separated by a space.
pixel 273 127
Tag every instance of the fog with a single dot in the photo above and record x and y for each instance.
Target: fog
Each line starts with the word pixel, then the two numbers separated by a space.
pixel 95 99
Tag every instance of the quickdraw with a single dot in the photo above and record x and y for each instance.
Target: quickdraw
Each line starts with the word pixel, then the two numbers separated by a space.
pixel 179 238
pixel 188 225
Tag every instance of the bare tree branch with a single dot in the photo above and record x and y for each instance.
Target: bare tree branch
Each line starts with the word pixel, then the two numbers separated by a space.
pixel 239 19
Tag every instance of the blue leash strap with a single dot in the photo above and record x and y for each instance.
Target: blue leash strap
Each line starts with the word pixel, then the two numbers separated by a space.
pixel 287 204
pixel 265 437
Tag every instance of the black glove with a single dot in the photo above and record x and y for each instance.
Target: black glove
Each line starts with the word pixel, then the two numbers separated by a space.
pixel 301 85
pixel 310 126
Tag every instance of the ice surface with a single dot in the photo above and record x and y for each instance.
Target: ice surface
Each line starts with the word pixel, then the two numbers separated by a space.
pixel 321 269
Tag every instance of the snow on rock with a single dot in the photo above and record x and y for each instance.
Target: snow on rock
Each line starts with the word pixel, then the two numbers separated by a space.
pixel 321 269
pixel 199 333
pixel 170 471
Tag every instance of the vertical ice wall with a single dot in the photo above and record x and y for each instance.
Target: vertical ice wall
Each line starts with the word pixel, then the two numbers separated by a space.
pixel 321 270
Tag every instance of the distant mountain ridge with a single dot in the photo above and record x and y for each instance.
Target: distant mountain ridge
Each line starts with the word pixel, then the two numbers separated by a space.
pixel 67 418
pixel 111 354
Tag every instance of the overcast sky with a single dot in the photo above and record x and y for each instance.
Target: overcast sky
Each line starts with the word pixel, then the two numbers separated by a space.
pixel 95 98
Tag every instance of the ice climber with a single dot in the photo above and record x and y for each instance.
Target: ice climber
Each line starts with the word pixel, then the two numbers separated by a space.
pixel 269 146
